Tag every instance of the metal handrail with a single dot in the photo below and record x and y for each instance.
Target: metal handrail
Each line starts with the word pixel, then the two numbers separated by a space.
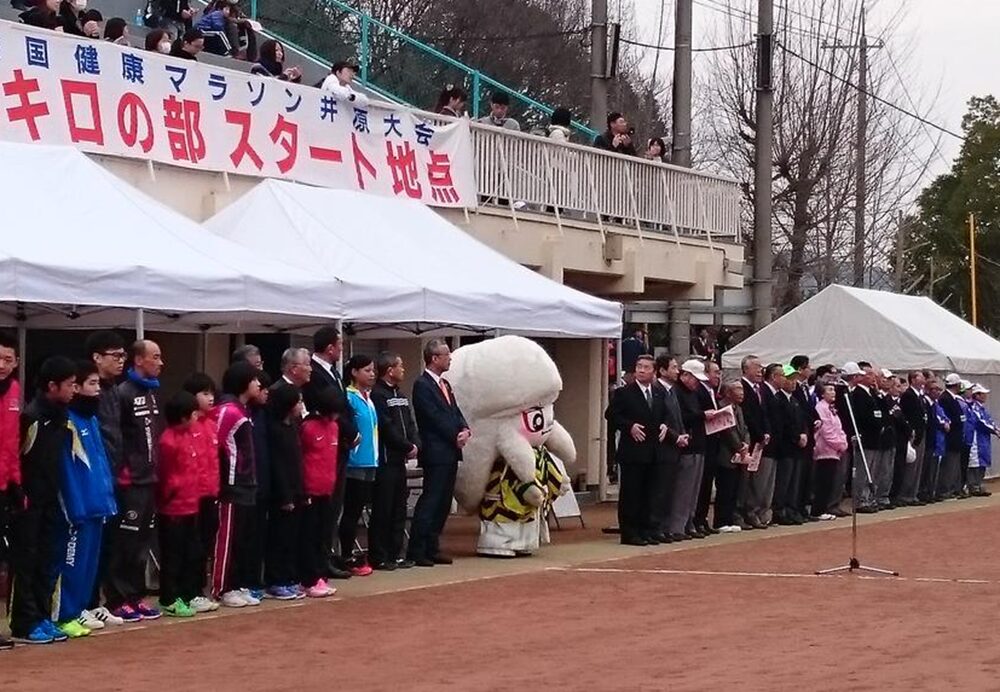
pixel 477 78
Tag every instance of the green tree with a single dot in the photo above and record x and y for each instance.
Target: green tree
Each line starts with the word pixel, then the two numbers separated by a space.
pixel 940 260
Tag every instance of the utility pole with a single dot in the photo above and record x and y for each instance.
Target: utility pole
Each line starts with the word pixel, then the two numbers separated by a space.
pixel 762 257
pixel 680 155
pixel 860 197
pixel 681 126
pixel 972 269
pixel 598 64
pixel 900 252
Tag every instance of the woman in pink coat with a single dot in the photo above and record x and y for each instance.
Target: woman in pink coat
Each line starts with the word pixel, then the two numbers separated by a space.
pixel 831 443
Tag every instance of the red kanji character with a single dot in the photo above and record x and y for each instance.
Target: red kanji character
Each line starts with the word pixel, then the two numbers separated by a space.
pixel 402 162
pixel 182 118
pixel 360 161
pixel 243 148
pixel 81 133
pixel 286 134
pixel 325 154
pixel 29 112
pixel 439 174
pixel 130 107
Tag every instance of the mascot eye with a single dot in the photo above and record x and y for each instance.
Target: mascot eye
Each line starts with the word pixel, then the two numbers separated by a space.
pixel 534 420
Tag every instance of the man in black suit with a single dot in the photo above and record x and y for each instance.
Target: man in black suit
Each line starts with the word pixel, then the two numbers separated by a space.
pixel 915 412
pixel 444 433
pixel 696 407
pixel 803 396
pixel 950 474
pixel 868 416
pixel 754 483
pixel 791 448
pixel 325 374
pixel 639 414
pixel 707 395
pixel 667 373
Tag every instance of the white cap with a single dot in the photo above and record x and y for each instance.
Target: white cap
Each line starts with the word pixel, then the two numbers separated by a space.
pixel 851 368
pixel 952 380
pixel 979 389
pixel 695 367
pixel 965 385
pixel 886 372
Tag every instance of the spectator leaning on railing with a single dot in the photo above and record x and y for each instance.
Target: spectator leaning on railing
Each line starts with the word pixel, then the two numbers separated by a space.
pixel 43 15
pixel 559 125
pixel 618 136
pixel 451 101
pixel 272 63
pixel 339 81
pixel 499 107
pixel 116 31
pixel 188 46
pixel 158 41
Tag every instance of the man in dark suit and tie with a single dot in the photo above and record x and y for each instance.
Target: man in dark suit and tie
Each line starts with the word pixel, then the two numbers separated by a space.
pixel 325 363
pixel 639 414
pixel 667 373
pixel 760 435
pixel 444 433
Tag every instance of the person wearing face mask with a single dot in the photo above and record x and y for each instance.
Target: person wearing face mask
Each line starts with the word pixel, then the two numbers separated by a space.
pixel 87 500
pixel 158 41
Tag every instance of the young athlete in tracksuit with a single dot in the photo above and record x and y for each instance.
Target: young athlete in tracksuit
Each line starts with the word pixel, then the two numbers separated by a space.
pixel 87 498
pixel 204 431
pixel 135 479
pixel 319 434
pixel 11 495
pixel 284 417
pixel 44 434
pixel 232 565
pixel 399 442
pixel 177 498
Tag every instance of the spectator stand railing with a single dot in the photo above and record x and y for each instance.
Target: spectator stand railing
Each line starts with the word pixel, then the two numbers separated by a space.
pixel 364 33
pixel 521 171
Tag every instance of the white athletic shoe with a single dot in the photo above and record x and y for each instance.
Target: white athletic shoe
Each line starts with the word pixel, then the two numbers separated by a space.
pixel 730 529
pixel 234 599
pixel 201 604
pixel 88 620
pixel 105 616
pixel 827 517
pixel 248 598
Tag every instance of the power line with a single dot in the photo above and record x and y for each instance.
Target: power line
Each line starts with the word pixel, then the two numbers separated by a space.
pixel 906 93
pixel 709 49
pixel 875 97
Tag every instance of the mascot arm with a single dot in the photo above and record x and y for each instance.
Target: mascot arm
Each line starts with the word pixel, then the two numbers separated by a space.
pixel 560 444
pixel 520 457
pixel 478 456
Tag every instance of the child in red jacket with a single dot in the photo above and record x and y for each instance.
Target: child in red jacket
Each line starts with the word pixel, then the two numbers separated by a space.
pixel 177 500
pixel 204 427
pixel 319 433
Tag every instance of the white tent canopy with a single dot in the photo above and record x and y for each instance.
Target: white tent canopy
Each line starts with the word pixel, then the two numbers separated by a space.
pixel 83 248
pixel 402 263
pixel 895 331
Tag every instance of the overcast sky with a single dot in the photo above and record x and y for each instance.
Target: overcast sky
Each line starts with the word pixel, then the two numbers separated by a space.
pixel 946 49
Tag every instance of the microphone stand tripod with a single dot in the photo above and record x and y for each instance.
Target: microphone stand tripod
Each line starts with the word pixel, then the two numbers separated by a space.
pixel 854 564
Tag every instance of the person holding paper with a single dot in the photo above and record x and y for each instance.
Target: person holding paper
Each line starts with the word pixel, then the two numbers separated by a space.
pixel 710 404
pixel 759 429
pixel 734 448
pixel 687 481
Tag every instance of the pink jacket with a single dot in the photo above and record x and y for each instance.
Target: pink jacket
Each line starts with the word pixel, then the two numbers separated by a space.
pixel 831 441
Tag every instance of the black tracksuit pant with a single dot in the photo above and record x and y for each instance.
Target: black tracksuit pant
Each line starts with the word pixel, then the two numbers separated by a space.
pixel 281 562
pixel 315 527
pixel 388 525
pixel 357 494
pixel 131 540
pixel 33 534
pixel 181 555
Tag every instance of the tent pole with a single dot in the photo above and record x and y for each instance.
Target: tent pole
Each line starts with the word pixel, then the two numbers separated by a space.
pixel 140 325
pixel 339 324
pixel 22 360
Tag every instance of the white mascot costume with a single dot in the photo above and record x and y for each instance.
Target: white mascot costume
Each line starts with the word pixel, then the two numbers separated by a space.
pixel 514 465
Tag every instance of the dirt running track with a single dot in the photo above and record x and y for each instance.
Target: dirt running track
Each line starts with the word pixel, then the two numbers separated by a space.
pixel 752 617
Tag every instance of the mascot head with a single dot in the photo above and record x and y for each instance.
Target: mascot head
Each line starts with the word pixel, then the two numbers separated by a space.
pixel 506 376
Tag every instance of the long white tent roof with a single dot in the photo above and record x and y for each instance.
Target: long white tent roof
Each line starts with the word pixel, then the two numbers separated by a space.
pixel 400 262
pixel 900 332
pixel 82 247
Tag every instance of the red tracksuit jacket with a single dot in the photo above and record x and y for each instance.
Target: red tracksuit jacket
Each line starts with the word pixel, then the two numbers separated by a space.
pixel 10 439
pixel 206 433
pixel 179 489
pixel 319 455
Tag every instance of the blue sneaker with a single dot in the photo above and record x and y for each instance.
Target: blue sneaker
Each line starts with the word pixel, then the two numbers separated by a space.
pixel 39 635
pixel 57 634
pixel 281 593
pixel 259 594
pixel 298 590
pixel 147 611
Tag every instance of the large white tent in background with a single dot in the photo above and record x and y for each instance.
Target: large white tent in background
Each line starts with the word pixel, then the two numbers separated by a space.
pixel 83 248
pixel 402 264
pixel 893 331
pixel 890 330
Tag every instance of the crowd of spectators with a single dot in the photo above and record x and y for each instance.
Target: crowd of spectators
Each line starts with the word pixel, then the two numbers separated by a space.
pixel 253 490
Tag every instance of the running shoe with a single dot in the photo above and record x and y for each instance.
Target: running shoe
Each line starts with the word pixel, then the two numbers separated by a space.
pixel 73 629
pixel 39 635
pixel 281 593
pixel 320 590
pixel 249 598
pixel 827 517
pixel 126 613
pixel 259 594
pixel 147 612
pixel 106 616
pixel 177 609
pixel 298 590
pixel 360 569
pixel 201 604
pixel 234 599
pixel 57 634
pixel 88 620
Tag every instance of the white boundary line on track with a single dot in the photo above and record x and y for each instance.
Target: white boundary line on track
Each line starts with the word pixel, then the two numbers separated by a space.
pixel 771 575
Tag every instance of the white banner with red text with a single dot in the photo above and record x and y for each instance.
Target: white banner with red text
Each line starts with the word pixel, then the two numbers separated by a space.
pixel 121 101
